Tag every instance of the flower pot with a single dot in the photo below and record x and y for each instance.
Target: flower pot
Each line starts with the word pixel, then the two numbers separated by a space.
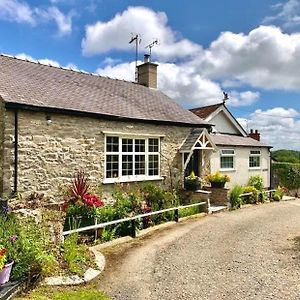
pixel 5 273
pixel 217 184
pixel 191 185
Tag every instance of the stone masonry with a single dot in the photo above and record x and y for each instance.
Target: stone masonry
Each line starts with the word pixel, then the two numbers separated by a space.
pixel 49 154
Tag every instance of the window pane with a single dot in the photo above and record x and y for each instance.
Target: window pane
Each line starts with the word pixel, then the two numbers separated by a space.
pixel 153 145
pixel 140 165
pixel 226 162
pixel 139 145
pixel 153 165
pixel 127 165
pixel 227 152
pixel 112 166
pixel 255 152
pixel 112 144
pixel 254 161
pixel 127 145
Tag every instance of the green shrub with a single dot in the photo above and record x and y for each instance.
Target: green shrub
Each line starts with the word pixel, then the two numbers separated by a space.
pixel 75 254
pixel 278 194
pixel 235 196
pixel 253 198
pixel 31 250
pixel 257 182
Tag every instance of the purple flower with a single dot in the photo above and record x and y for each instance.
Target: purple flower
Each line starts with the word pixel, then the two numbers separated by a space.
pixel 13 238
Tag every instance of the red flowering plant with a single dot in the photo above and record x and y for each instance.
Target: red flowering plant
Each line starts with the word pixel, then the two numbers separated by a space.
pixel 79 202
pixel 5 249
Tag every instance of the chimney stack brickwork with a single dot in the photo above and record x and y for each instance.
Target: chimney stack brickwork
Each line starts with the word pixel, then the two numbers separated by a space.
pixel 147 74
pixel 254 134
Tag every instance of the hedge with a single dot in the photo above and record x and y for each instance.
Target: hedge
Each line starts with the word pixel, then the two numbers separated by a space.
pixel 288 174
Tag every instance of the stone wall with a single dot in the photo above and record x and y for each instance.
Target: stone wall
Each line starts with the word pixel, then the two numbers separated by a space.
pixel 218 196
pixel 49 154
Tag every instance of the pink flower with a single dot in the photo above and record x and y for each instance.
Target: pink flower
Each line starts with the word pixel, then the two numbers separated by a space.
pixel 13 238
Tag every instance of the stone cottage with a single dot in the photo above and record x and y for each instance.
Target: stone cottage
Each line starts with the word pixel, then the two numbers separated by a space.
pixel 54 121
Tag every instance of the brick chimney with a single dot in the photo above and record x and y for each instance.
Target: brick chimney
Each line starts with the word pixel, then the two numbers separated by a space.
pixel 254 134
pixel 147 73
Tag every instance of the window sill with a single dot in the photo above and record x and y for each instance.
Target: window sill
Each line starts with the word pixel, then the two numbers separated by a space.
pixel 227 170
pixel 254 168
pixel 132 179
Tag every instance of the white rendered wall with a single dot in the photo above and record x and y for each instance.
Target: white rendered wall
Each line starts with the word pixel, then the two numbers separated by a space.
pixel 242 172
pixel 223 124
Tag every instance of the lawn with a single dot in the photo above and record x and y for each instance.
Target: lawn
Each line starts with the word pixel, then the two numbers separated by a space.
pixel 86 292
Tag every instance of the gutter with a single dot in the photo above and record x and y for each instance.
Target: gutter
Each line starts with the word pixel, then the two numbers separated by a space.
pixel 18 106
pixel 16 133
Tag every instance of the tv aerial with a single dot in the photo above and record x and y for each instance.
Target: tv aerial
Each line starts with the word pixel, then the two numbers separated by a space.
pixel 150 46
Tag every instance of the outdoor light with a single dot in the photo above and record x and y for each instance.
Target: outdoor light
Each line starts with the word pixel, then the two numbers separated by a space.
pixel 49 121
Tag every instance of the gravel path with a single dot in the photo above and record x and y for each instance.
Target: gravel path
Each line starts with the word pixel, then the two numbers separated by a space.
pixel 251 253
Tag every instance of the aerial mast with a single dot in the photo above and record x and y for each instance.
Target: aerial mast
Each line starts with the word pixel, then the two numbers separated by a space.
pixel 137 41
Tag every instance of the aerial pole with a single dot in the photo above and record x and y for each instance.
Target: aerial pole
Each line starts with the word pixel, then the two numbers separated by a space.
pixel 137 41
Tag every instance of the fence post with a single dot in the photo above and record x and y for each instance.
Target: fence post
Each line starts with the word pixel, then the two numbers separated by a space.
pixel 176 215
pixel 133 232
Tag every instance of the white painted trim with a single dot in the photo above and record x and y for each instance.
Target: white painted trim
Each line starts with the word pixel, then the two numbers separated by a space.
pixel 131 179
pixel 132 135
pixel 233 120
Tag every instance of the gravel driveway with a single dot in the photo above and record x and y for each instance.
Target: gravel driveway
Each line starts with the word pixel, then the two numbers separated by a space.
pixel 252 253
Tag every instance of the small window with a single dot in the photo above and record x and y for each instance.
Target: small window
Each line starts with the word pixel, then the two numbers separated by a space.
pixel 227 159
pixel 254 159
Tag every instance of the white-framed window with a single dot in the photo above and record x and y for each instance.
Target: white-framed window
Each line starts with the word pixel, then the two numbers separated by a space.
pixel 131 158
pixel 227 159
pixel 254 159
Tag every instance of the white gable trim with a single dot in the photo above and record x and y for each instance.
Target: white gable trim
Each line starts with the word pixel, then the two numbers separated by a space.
pixel 232 119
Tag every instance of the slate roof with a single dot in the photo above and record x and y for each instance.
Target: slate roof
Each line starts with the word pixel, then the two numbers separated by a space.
pixel 204 111
pixel 234 140
pixel 32 84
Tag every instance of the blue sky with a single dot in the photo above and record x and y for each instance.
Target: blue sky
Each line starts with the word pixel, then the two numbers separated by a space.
pixel 250 49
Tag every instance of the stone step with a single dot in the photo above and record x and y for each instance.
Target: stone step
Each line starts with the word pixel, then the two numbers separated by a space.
pixel 217 208
pixel 287 198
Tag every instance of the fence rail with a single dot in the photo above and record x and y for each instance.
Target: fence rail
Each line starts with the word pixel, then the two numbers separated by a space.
pixel 134 218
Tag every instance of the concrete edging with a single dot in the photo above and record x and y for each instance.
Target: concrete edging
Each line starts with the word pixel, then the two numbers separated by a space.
pixel 89 274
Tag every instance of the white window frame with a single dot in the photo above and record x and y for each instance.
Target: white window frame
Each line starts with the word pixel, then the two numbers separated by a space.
pixel 254 153
pixel 147 153
pixel 224 154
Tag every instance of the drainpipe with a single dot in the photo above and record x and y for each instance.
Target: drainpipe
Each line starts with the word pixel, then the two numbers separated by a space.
pixel 16 153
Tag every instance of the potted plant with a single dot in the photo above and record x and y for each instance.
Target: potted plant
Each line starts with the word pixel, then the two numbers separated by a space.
pixel 217 180
pixel 6 263
pixel 192 182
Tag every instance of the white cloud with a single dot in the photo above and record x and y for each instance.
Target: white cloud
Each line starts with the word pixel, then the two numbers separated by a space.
pixel 63 22
pixel 45 61
pixel 102 37
pixel 266 58
pixel 279 127
pixel 243 98
pixel 21 12
pixel 288 14
pixel 16 11
pixel 180 82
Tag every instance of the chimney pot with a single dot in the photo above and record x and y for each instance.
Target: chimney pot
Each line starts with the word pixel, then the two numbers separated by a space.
pixel 254 135
pixel 146 58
